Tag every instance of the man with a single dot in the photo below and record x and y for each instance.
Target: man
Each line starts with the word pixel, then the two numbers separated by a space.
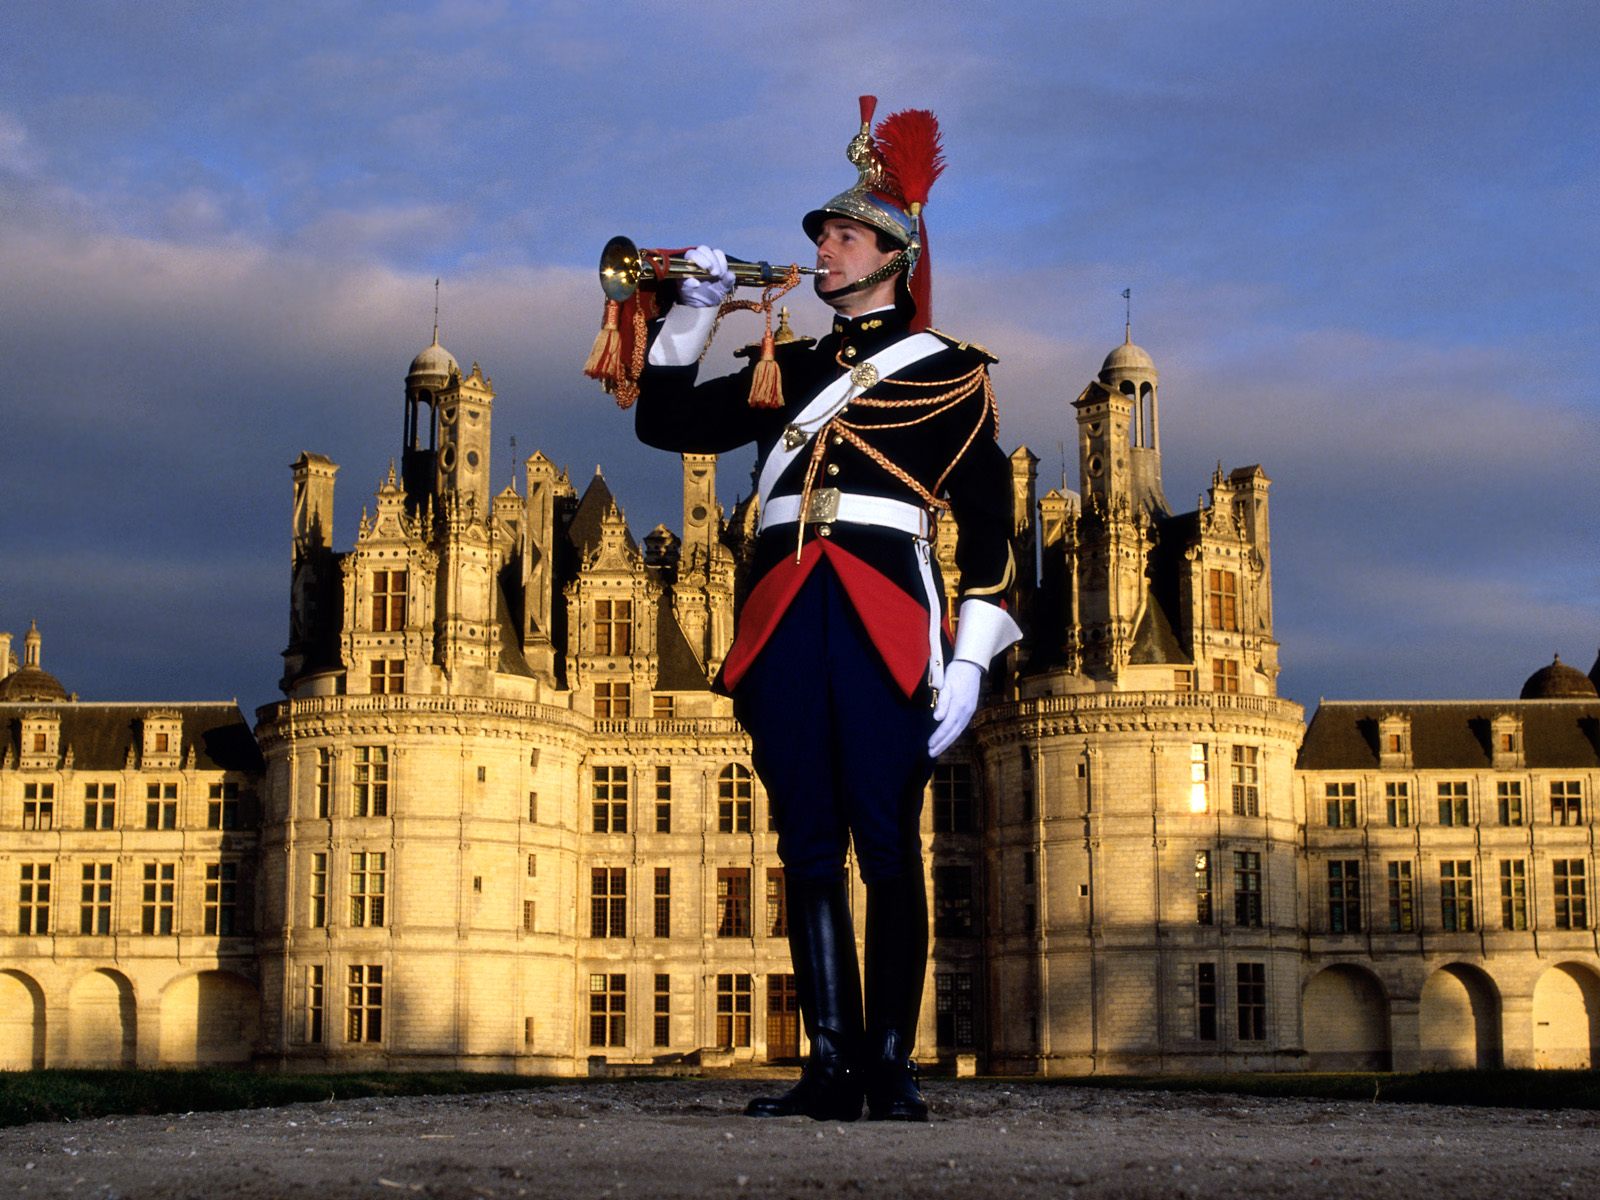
pixel 839 670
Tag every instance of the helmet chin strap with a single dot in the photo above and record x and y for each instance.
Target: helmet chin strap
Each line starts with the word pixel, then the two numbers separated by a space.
pixel 903 261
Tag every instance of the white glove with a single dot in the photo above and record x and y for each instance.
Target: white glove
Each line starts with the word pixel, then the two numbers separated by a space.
pixel 706 293
pixel 958 700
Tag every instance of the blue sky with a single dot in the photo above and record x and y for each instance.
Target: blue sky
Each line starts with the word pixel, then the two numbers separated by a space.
pixel 1360 238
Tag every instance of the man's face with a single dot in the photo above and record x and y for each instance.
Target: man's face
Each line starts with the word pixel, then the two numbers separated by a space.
pixel 849 251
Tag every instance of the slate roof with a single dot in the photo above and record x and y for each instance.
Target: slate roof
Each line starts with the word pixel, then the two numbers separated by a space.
pixel 584 531
pixel 510 660
pixel 1558 681
pixel 31 683
pixel 1156 640
pixel 1452 734
pixel 100 735
pixel 679 669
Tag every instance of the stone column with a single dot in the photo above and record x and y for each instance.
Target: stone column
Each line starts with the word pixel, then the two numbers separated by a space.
pixel 1516 1032
pixel 1405 1033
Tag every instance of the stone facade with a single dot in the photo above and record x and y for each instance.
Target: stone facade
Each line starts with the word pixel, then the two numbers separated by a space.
pixel 129 851
pixel 500 821
pixel 1142 835
pixel 1450 852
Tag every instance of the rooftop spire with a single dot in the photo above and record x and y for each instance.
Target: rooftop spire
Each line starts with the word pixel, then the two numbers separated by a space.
pixel 1127 328
pixel 435 311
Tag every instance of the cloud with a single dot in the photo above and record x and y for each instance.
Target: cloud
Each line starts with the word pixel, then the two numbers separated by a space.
pixel 1360 255
pixel 17 156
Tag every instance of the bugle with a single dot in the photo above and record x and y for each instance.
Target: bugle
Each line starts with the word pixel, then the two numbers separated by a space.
pixel 624 269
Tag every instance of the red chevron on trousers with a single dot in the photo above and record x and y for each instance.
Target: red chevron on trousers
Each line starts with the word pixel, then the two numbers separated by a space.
pixel 896 623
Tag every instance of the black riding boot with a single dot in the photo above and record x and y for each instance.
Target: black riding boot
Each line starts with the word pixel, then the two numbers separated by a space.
pixel 828 984
pixel 897 957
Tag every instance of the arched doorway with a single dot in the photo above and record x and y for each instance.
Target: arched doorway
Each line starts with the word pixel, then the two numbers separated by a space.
pixel 212 1017
pixel 1460 1020
pixel 1346 1021
pixel 21 1022
pixel 100 1020
pixel 1566 1017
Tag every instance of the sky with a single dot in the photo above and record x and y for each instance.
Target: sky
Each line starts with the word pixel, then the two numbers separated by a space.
pixel 1360 239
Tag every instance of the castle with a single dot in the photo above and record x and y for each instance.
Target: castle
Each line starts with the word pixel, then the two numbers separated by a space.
pixel 500 822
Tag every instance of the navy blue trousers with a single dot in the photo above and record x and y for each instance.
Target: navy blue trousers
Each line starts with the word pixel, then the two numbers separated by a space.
pixel 841 750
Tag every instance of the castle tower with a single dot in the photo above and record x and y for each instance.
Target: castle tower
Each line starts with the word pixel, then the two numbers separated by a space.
pixel 1024 537
pixel 465 407
pixel 315 598
pixel 702 594
pixel 701 525
pixel 1119 504
pixel 431 372
pixel 410 862
pixel 470 552
pixel 550 498
pixel 1143 874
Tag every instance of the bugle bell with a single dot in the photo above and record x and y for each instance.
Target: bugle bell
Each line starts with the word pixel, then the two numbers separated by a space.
pixel 624 269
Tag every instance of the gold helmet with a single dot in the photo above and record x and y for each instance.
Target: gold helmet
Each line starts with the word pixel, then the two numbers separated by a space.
pixel 895 171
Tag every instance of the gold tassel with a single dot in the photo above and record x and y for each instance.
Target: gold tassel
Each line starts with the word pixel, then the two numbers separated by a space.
pixel 605 359
pixel 766 388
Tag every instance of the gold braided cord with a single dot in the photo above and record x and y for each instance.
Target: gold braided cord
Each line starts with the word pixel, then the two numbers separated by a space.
pixel 988 411
pixel 627 387
pixel 884 461
pixel 851 433
pixel 812 464
pixel 771 292
pixel 929 383
pixel 955 394
pixel 927 416
pixel 959 384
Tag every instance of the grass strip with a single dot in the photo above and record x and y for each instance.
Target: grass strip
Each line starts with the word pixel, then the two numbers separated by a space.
pixel 1479 1089
pixel 67 1095
pixel 64 1095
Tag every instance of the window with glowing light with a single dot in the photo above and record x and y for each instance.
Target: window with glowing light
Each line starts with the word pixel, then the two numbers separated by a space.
pixel 1199 776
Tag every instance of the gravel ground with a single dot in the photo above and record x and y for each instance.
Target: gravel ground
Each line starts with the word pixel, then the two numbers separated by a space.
pixel 687 1139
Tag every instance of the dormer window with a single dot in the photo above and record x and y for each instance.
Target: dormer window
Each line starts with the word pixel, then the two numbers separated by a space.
pixel 388 601
pixel 1394 741
pixel 613 627
pixel 1222 598
pixel 1505 734
pixel 163 738
pixel 41 740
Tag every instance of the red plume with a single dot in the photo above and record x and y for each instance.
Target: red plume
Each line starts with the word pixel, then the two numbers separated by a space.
pixel 921 285
pixel 908 144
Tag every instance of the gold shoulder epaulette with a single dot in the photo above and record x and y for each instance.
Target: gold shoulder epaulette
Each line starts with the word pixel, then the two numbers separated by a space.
pixel 958 344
